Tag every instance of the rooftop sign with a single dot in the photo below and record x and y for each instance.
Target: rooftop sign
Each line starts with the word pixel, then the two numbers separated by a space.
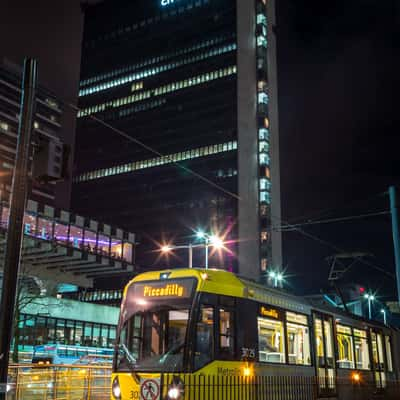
pixel 165 3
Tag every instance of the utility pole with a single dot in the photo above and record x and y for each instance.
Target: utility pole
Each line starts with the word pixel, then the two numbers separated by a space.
pixel 396 235
pixel 15 224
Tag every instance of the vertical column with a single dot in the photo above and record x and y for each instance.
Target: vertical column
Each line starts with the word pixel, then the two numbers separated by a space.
pixel 248 210
pixel 274 135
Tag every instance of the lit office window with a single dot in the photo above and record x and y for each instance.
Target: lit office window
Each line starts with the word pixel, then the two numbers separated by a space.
pixel 223 72
pixel 265 197
pixel 262 41
pixel 263 134
pixel 262 98
pixel 4 126
pixel 155 70
pixel 168 159
pixel 263 146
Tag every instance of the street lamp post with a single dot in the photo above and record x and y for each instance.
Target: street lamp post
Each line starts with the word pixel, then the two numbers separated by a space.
pixel 370 298
pixel 208 240
pixel 383 311
pixel 277 277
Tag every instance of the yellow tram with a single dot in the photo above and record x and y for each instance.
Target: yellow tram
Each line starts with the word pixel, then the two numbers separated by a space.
pixel 209 334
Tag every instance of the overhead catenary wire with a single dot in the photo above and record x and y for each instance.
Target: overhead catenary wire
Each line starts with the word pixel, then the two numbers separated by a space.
pixel 159 154
pixel 325 211
pixel 215 185
pixel 339 249
pixel 290 227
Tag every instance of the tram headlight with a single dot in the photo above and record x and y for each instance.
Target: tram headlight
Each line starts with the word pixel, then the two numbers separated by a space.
pixel 174 393
pixel 176 389
pixel 116 389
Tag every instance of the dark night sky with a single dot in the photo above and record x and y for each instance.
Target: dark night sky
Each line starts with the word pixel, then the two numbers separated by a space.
pixel 338 84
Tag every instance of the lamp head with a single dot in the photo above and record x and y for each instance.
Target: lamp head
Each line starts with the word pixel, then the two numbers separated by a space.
pixel 200 235
pixel 216 242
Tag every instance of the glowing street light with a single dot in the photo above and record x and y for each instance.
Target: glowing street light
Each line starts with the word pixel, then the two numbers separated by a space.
pixel 370 298
pixel 276 276
pixel 209 240
pixel 383 311
pixel 216 242
pixel 200 234
pixel 166 249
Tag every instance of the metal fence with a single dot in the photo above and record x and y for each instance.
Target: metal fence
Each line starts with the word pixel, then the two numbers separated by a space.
pixel 38 382
pixel 275 388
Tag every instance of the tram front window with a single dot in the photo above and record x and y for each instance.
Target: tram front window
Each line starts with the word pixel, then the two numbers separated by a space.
pixel 153 341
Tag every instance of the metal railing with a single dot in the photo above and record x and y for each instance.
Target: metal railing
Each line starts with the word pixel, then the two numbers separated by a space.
pixel 89 382
pixel 61 382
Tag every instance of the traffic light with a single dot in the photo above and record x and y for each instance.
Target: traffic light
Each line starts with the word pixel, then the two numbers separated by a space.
pixel 50 160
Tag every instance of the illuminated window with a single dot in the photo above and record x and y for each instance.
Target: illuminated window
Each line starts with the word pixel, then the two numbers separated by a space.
pixel 264 264
pixel 262 41
pixel 264 236
pixel 44 228
pixel 298 338
pixel 176 157
pixel 155 92
pixel 61 232
pixel 388 354
pixel 128 252
pixel 361 349
pixel 103 244
pixel 4 126
pixel 345 347
pixel 378 359
pixel 90 240
pixel 116 248
pixel 262 98
pixel 271 340
pixel 226 334
pixel 265 197
pixel 263 134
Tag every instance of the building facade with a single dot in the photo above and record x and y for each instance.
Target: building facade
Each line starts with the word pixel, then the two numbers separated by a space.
pixel 195 81
pixel 47 123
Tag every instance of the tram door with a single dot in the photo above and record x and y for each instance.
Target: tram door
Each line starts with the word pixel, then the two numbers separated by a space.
pixel 324 353
pixel 378 359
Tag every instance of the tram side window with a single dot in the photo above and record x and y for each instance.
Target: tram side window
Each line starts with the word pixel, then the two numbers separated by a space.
pixel 377 351
pixel 298 339
pixel 361 349
pixel 226 334
pixel 271 343
pixel 388 354
pixel 204 351
pixel 345 347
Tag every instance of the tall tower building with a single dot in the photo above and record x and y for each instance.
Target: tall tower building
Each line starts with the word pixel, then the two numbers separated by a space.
pixel 196 81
